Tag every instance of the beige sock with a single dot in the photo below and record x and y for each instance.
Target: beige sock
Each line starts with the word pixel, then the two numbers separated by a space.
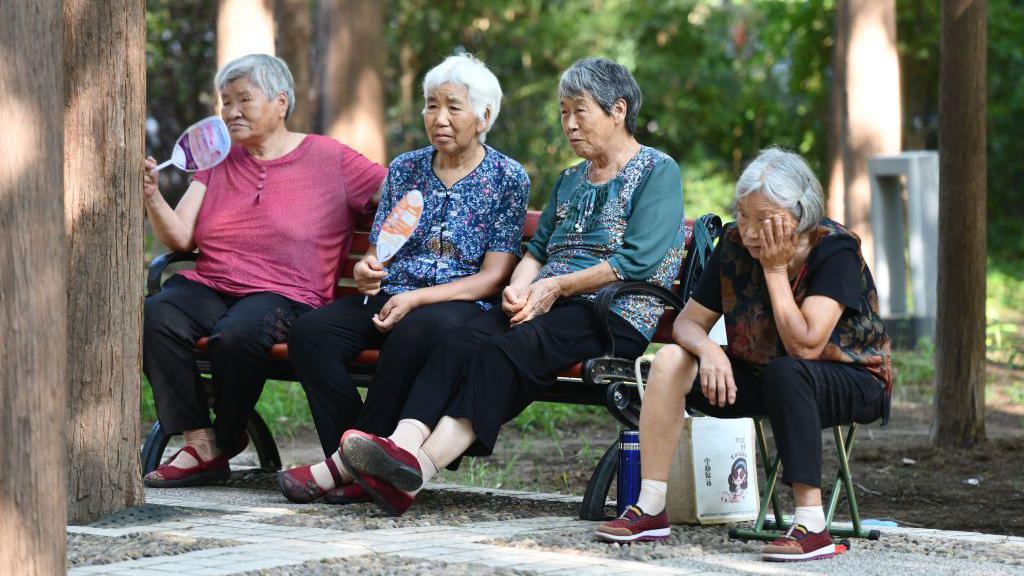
pixel 427 468
pixel 322 474
pixel 203 441
pixel 410 434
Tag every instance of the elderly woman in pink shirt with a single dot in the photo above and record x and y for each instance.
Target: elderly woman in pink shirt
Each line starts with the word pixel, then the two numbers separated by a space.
pixel 272 224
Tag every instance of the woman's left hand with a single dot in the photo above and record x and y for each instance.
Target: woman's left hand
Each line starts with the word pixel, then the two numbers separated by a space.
pixel 778 243
pixel 396 308
pixel 540 297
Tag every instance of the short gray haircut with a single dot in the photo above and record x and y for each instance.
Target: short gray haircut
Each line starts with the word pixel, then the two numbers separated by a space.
pixel 270 74
pixel 606 82
pixel 788 182
pixel 481 84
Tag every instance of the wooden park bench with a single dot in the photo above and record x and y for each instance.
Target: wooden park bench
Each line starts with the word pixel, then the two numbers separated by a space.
pixel 604 381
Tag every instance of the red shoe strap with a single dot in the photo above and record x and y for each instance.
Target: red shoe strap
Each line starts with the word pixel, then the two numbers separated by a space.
pixel 335 473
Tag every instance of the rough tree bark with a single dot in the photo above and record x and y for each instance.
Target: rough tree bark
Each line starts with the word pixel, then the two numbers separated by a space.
pixel 32 291
pixel 295 34
pixel 874 121
pixel 244 27
pixel 836 206
pixel 104 117
pixel 960 332
pixel 353 91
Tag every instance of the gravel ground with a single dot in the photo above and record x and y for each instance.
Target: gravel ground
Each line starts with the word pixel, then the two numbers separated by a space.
pixel 88 550
pixel 432 508
pixel 372 565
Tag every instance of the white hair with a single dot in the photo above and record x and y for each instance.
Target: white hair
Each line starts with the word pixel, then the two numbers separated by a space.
pixel 482 85
pixel 788 182
pixel 270 74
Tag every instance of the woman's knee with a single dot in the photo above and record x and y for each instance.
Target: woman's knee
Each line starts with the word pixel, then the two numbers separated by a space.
pixel 784 376
pixel 673 365
pixel 241 336
pixel 159 317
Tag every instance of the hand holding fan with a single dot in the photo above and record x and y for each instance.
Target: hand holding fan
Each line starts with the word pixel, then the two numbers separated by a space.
pixel 398 227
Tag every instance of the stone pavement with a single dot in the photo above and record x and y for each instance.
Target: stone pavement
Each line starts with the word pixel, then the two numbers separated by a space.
pixel 460 530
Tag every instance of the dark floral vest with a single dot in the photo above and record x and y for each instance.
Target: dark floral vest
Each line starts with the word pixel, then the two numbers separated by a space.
pixel 859 337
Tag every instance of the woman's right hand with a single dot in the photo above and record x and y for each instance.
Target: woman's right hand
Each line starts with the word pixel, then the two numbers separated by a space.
pixel 368 274
pixel 716 381
pixel 150 182
pixel 513 299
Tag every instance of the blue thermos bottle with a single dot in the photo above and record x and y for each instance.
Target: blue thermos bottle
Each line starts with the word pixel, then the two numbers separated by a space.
pixel 628 488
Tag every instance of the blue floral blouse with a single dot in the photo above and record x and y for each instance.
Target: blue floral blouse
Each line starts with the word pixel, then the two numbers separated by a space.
pixel 633 221
pixel 483 212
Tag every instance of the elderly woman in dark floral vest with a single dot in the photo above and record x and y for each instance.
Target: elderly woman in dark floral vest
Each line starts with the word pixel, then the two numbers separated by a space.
pixel 806 347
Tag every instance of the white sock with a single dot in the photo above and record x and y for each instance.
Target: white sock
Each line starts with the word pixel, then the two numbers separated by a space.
pixel 812 518
pixel 322 474
pixel 652 496
pixel 409 435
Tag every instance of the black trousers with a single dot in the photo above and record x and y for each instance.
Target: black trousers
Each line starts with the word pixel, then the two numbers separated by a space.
pixel 325 340
pixel 487 372
pixel 241 330
pixel 800 398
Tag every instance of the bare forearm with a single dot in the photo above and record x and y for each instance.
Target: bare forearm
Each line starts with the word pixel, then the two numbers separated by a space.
pixel 471 288
pixel 793 327
pixel 586 281
pixel 167 225
pixel 525 271
pixel 691 336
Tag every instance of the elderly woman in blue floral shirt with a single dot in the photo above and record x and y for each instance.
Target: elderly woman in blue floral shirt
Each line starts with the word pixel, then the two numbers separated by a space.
pixel 617 215
pixel 451 269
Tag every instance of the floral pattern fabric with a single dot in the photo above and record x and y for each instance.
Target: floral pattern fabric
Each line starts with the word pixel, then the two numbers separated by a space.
pixel 634 222
pixel 483 212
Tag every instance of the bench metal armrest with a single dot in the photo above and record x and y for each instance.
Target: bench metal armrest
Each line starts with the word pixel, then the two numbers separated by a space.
pixel 160 263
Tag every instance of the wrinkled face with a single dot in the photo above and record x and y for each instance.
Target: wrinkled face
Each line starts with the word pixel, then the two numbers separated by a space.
pixel 586 125
pixel 751 212
pixel 451 123
pixel 247 112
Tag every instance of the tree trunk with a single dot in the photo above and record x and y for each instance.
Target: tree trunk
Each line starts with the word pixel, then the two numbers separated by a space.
pixel 295 33
pixel 33 328
pixel 353 91
pixel 960 332
pixel 243 27
pixel 836 205
pixel 874 121
pixel 104 118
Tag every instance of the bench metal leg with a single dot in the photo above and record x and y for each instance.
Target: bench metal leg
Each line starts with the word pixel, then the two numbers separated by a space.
pixel 592 507
pixel 769 530
pixel 259 435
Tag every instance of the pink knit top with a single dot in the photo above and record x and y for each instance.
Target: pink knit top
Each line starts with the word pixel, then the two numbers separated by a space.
pixel 282 225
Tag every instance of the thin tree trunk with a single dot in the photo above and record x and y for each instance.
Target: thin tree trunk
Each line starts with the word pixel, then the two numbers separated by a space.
pixel 244 27
pixel 837 127
pixel 353 91
pixel 104 118
pixel 33 328
pixel 874 121
pixel 295 33
pixel 960 331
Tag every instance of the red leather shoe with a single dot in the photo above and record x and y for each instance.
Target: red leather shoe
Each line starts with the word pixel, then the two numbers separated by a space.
pixel 391 500
pixel 298 484
pixel 351 493
pixel 202 474
pixel 381 458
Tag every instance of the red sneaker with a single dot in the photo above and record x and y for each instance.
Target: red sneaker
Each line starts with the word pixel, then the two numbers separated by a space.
pixel 202 474
pixel 798 544
pixel 380 457
pixel 299 486
pixel 635 526
pixel 350 493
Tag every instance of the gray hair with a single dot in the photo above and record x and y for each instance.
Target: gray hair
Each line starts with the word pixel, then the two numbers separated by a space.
pixel 481 84
pixel 788 182
pixel 270 74
pixel 606 82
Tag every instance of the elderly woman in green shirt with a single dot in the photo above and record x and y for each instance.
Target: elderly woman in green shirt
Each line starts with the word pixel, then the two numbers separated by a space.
pixel 617 215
